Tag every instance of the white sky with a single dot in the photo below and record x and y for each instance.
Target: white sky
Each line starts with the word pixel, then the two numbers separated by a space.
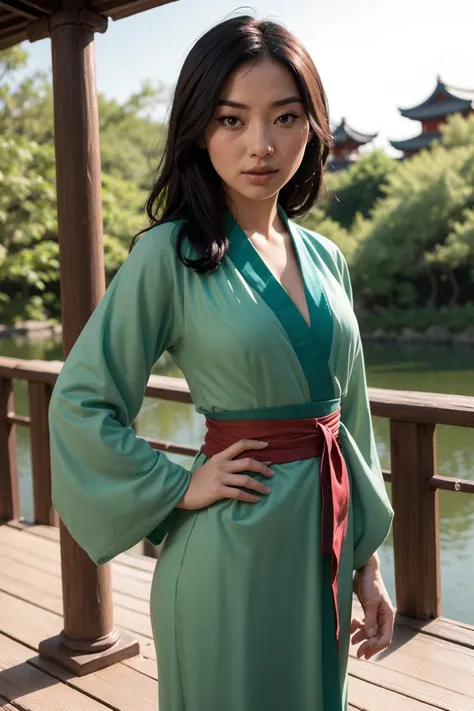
pixel 373 55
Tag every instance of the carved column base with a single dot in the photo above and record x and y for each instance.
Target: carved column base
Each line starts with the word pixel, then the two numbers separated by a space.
pixel 80 662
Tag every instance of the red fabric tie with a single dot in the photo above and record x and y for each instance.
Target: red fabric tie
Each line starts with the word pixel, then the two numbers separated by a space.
pixel 295 440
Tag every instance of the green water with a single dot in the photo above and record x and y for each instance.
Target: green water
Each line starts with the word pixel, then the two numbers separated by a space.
pixel 423 368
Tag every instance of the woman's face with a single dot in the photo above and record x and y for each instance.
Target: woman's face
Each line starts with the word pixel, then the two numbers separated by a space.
pixel 260 122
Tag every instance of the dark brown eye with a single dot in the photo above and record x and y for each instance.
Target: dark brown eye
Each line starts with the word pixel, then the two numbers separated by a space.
pixel 291 118
pixel 230 119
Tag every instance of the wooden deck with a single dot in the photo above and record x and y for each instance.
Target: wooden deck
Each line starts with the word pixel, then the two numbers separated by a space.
pixel 430 665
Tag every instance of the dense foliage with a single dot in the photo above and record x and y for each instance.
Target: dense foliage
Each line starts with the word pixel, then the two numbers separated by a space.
pixel 405 227
pixel 409 236
pixel 130 148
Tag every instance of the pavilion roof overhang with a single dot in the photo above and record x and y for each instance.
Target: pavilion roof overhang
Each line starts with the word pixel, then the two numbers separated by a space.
pixel 445 99
pixel 450 106
pixel 416 143
pixel 346 134
pixel 22 20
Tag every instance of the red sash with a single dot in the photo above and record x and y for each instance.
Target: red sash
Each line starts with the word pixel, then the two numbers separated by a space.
pixel 294 440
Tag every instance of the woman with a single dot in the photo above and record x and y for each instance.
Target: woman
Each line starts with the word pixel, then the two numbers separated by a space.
pixel 251 598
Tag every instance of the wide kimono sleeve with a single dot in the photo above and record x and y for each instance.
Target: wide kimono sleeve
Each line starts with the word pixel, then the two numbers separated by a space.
pixel 109 486
pixel 373 513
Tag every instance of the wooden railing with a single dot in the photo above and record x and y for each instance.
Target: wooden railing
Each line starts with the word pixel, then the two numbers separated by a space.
pixel 415 483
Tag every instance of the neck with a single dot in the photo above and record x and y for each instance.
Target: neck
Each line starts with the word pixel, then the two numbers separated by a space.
pixel 256 216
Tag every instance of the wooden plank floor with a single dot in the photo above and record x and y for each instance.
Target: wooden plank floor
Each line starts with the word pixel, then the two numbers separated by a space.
pixel 430 666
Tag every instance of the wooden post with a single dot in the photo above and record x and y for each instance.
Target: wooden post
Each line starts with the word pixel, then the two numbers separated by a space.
pixel 39 395
pixel 89 640
pixel 9 494
pixel 416 521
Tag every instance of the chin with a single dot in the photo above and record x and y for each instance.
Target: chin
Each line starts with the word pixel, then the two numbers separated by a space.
pixel 256 192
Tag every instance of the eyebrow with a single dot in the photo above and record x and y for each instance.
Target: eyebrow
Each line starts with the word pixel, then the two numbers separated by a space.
pixel 276 104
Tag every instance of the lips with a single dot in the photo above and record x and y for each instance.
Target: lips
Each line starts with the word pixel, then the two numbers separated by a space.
pixel 260 171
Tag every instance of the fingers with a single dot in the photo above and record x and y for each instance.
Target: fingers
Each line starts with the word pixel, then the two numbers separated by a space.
pixel 366 649
pixel 249 465
pixel 385 630
pixel 246 481
pixel 374 646
pixel 229 468
pixel 243 445
pixel 229 492
pixel 359 637
pixel 381 643
pixel 371 610
pixel 383 633
pixel 358 627
pixel 356 624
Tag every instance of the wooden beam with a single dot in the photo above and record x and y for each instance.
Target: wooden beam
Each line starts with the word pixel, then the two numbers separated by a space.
pixel 13 36
pixel 119 9
pixel 400 405
pixel 9 490
pixel 82 276
pixel 38 30
pixel 447 483
pixel 24 9
pixel 416 522
pixel 43 8
pixel 430 408
pixel 19 420
pixel 39 395
pixel 36 370
pixel 29 19
pixel 89 640
pixel 11 24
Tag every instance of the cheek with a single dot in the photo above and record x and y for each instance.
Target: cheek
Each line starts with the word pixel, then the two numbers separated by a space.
pixel 293 147
pixel 221 151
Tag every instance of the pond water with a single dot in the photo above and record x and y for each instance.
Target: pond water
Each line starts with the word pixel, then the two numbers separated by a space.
pixel 423 368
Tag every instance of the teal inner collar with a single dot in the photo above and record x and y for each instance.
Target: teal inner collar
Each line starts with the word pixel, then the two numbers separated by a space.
pixel 312 344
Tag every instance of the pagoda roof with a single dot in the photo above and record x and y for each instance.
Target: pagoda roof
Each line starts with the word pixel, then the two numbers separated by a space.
pixel 346 134
pixel 453 100
pixel 19 17
pixel 424 140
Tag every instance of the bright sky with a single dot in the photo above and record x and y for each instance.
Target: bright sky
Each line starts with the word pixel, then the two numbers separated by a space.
pixel 373 55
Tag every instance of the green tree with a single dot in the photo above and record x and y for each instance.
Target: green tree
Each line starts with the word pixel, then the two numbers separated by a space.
pixel 319 222
pixel 123 217
pixel 131 142
pixel 26 105
pixel 12 59
pixel 131 145
pixel 426 198
pixel 28 228
pixel 458 131
pixel 357 189
pixel 456 254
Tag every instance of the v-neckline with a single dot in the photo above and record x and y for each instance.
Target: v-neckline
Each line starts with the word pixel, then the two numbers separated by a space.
pixel 312 344
pixel 237 230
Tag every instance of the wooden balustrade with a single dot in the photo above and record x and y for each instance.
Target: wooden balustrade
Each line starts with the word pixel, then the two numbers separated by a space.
pixel 9 489
pixel 415 483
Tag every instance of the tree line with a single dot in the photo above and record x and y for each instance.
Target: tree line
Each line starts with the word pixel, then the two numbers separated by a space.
pixel 405 227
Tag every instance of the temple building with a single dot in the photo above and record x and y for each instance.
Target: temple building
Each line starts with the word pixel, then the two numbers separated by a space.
pixel 443 102
pixel 347 142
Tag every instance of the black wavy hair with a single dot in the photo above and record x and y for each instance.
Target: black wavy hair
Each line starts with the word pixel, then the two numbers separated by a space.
pixel 187 187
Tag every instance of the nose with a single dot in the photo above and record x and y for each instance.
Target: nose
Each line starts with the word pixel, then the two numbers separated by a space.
pixel 260 143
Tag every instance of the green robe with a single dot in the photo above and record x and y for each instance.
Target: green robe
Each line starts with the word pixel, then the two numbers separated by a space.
pixel 241 603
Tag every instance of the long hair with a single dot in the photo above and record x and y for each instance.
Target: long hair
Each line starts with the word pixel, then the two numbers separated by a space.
pixel 187 187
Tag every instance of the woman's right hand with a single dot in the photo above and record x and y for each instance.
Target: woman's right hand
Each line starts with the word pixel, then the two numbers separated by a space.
pixel 219 477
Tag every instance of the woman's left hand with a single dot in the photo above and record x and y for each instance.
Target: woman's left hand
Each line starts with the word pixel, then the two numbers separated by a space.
pixel 376 629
